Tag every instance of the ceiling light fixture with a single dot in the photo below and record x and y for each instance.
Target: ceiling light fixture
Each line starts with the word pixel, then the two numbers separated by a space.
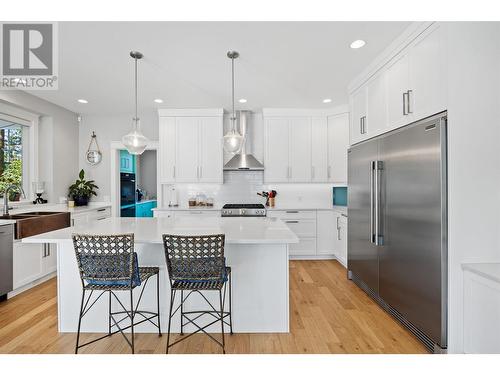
pixel 327 100
pixel 83 101
pixel 357 44
pixel 135 141
pixel 233 140
pixel 242 100
pixel 159 101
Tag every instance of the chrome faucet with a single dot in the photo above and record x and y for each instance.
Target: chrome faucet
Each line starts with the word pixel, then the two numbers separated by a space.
pixel 6 207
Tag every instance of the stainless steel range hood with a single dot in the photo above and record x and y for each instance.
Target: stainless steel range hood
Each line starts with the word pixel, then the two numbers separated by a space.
pixel 243 161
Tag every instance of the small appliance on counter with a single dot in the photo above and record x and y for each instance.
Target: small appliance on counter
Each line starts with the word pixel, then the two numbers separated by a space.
pixel 140 194
pixel 39 189
pixel 173 200
pixel 270 197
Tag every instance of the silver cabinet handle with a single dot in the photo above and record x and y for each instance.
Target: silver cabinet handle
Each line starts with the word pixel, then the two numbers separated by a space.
pixel 291 222
pixel 290 168
pixel 173 172
pixel 312 172
pixel 201 172
pixel 292 212
pixel 405 100
pixel 101 209
pixel 329 172
pixel 408 100
pixel 361 125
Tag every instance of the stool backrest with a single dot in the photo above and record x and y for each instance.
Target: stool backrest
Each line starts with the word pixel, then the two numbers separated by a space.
pixel 194 258
pixel 105 257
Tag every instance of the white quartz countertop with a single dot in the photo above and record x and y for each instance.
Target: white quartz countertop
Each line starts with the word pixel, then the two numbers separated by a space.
pixel 248 230
pixel 185 207
pixel 488 270
pixel 7 222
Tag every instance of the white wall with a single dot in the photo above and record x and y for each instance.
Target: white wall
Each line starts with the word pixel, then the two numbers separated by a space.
pixel 58 141
pixel 147 172
pixel 109 128
pixel 473 157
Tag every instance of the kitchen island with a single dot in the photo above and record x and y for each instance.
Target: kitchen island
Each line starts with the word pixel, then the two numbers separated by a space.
pixel 256 249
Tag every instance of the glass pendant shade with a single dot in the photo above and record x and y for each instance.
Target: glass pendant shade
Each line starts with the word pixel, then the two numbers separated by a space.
pixel 135 141
pixel 233 141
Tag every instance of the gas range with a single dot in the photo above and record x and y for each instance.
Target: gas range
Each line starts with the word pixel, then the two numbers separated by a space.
pixel 243 210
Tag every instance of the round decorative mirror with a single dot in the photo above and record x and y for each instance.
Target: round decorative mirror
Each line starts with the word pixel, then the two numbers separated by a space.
pixel 93 156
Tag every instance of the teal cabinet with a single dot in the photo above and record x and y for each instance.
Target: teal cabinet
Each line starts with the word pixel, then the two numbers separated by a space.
pixel 145 209
pixel 127 162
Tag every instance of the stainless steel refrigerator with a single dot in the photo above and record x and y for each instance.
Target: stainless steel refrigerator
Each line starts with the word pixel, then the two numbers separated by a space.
pixel 397 238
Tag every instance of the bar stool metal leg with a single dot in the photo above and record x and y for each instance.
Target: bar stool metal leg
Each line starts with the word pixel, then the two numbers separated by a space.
pixel 182 313
pixel 158 301
pixel 222 321
pixel 172 297
pixel 79 323
pixel 132 320
pixel 230 305
pixel 109 317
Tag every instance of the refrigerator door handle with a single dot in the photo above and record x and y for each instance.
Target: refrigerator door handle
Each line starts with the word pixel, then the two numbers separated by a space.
pixel 379 238
pixel 372 165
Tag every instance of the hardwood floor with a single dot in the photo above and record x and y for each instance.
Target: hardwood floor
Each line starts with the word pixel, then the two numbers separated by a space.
pixel 329 314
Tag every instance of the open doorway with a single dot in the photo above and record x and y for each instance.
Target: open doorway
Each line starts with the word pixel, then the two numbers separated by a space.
pixel 138 184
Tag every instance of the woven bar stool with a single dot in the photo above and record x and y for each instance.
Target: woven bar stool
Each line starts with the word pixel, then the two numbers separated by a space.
pixel 109 264
pixel 196 264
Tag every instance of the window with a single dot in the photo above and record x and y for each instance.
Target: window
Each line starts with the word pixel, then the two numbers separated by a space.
pixel 13 155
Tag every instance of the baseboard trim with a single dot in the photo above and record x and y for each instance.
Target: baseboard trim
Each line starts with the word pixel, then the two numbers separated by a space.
pixel 30 285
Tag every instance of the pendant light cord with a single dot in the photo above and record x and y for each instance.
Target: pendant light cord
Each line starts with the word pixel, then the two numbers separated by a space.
pixel 233 119
pixel 136 119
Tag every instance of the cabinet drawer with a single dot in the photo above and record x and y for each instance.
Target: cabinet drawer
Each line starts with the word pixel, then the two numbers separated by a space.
pixel 305 246
pixel 163 214
pixel 197 213
pixel 302 228
pixel 100 213
pixel 293 214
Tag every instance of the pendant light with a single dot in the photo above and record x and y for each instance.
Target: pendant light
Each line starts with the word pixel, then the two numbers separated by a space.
pixel 135 141
pixel 233 140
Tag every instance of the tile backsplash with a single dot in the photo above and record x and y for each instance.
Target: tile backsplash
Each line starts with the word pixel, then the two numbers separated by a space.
pixel 242 187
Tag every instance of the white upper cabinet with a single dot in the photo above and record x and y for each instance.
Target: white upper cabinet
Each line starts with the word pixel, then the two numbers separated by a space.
pixel 409 86
pixel 338 143
pixel 306 146
pixel 300 150
pixel 397 78
pixel 358 119
pixel 190 146
pixel 276 166
pixel 187 149
pixel 376 105
pixel 319 153
pixel 427 77
pixel 211 159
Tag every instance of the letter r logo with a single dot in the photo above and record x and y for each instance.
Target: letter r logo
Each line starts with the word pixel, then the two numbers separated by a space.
pixel 27 49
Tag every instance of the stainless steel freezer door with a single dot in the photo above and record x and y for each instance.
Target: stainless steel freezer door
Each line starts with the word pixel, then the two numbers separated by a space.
pixel 411 269
pixel 362 254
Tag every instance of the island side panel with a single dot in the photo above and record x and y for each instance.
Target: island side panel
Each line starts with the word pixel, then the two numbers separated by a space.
pixel 260 291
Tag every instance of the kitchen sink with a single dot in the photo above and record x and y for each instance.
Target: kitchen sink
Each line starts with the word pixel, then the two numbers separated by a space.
pixel 33 223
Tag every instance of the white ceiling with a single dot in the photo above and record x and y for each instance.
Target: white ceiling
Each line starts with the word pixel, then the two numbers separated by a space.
pixel 281 64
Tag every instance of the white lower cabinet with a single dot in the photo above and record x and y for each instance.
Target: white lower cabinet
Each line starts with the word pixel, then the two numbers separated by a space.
pixel 322 233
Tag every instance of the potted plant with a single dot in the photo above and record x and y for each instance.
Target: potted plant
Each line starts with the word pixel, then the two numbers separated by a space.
pixel 82 190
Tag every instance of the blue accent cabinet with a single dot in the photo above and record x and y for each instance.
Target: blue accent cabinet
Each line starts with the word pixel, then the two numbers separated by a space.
pixel 127 162
pixel 145 209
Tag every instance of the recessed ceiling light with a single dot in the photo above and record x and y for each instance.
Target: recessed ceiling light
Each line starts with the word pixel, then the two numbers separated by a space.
pixel 327 100
pixel 358 44
pixel 242 100
pixel 158 101
pixel 83 101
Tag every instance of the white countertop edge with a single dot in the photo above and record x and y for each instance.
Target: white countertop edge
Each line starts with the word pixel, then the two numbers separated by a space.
pixel 59 207
pixel 488 270
pixel 160 242
pixel 342 209
pixel 7 222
